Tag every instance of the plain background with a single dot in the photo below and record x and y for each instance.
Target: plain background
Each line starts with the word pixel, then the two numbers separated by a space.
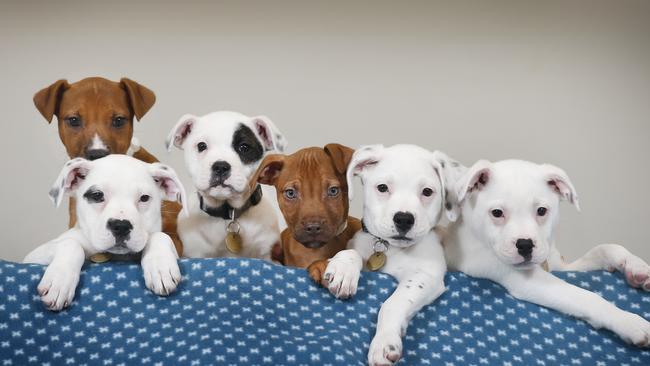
pixel 564 82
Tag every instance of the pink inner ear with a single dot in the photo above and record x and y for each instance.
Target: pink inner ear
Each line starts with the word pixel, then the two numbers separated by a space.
pixel 183 132
pixel 264 134
pixel 480 181
pixel 560 188
pixel 75 176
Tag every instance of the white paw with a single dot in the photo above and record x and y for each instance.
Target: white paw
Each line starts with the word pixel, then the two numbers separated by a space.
pixel 57 287
pixel 632 329
pixel 637 273
pixel 161 273
pixel 342 277
pixel 385 349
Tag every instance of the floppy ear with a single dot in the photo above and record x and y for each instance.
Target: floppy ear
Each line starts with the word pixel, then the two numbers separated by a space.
pixel 180 131
pixel 559 182
pixel 362 158
pixel 169 184
pixel 140 97
pixel 69 179
pixel 268 171
pixel 450 171
pixel 268 132
pixel 47 99
pixel 340 155
pixel 474 179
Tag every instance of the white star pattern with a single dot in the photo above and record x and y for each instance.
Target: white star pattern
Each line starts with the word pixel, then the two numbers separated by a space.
pixel 240 311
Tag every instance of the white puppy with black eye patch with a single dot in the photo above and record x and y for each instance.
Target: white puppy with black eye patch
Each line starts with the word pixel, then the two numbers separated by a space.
pixel 118 211
pixel 509 210
pixel 403 200
pixel 222 152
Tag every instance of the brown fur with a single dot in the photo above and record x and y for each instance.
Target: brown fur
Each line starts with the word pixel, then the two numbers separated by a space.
pixel 311 172
pixel 96 101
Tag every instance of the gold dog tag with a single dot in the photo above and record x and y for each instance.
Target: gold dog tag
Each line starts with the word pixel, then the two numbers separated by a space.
pixel 100 257
pixel 376 261
pixel 233 242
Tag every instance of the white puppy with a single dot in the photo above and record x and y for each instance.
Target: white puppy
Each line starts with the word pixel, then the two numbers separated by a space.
pixel 509 210
pixel 404 197
pixel 118 211
pixel 222 152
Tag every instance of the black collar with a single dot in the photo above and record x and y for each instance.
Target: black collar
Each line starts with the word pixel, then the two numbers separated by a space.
pixel 228 212
pixel 364 228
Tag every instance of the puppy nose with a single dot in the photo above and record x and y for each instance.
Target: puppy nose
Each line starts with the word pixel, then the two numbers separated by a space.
pixel 119 228
pixel 313 228
pixel 403 221
pixel 96 154
pixel 221 168
pixel 525 247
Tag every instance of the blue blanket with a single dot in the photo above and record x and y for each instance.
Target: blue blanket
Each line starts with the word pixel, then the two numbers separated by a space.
pixel 235 312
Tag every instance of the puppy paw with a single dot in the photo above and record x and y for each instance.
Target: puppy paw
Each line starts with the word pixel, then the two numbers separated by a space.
pixel 161 273
pixel 57 287
pixel 316 271
pixel 385 349
pixel 633 329
pixel 341 277
pixel 637 273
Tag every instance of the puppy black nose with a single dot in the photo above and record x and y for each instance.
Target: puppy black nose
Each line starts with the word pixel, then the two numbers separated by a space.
pixel 96 154
pixel 525 247
pixel 312 228
pixel 403 221
pixel 221 168
pixel 119 228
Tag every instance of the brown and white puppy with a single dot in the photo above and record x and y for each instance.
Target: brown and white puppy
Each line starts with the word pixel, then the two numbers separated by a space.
pixel 95 118
pixel 313 197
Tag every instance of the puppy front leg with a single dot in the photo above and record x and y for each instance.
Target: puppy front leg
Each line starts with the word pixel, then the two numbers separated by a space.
pixel 342 273
pixel 611 257
pixel 414 291
pixel 540 287
pixel 59 282
pixel 160 265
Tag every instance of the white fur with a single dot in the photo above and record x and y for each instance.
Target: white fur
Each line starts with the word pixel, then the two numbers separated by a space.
pixel 417 262
pixel 123 180
pixel 483 246
pixel 204 235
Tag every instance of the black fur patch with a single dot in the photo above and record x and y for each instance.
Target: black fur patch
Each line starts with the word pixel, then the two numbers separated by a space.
pixel 247 145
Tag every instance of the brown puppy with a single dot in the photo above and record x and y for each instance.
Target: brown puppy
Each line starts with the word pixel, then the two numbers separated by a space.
pixel 313 197
pixel 95 118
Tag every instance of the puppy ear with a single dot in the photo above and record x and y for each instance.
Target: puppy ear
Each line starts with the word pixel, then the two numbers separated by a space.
pixel 268 132
pixel 69 179
pixel 451 171
pixel 363 158
pixel 473 180
pixel 340 155
pixel 180 131
pixel 47 100
pixel 268 171
pixel 558 180
pixel 169 184
pixel 140 97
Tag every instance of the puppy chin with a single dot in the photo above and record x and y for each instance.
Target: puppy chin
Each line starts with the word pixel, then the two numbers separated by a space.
pixel 312 242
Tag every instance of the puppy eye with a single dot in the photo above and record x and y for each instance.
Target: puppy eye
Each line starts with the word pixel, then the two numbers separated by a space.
pixel 94 196
pixel 73 121
pixel 382 188
pixel 144 198
pixel 541 211
pixel 333 191
pixel 290 193
pixel 497 213
pixel 119 121
pixel 242 148
pixel 201 146
pixel 427 192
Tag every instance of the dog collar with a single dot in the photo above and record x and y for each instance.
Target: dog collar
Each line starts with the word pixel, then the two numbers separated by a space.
pixel 379 247
pixel 226 211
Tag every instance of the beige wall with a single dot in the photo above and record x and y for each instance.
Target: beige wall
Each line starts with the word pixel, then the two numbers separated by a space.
pixel 563 82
